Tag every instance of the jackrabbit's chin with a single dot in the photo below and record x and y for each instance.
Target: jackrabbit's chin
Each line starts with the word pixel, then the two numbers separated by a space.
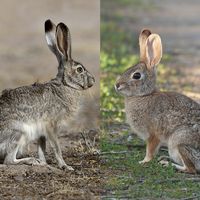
pixel 78 86
pixel 74 85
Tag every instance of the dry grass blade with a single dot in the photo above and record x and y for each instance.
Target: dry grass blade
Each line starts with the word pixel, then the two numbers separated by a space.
pixel 91 145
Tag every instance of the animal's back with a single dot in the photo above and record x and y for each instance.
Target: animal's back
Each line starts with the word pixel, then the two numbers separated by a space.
pixel 161 112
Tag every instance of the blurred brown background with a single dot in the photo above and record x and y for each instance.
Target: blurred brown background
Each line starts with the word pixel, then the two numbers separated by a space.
pixel 24 55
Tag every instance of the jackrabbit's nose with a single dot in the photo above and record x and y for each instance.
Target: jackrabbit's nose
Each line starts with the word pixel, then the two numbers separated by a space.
pixel 93 79
pixel 91 82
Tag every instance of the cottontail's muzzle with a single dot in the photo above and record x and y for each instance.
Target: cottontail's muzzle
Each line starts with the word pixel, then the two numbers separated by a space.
pixel 119 86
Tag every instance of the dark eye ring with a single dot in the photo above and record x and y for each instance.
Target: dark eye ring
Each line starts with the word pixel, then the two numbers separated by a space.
pixel 136 76
pixel 79 69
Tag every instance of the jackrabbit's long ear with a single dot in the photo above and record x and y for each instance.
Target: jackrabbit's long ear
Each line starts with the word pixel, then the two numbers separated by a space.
pixel 64 40
pixel 50 33
pixel 153 50
pixel 142 43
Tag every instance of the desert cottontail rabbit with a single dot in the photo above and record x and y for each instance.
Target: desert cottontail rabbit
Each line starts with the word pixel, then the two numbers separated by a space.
pixel 34 112
pixel 160 118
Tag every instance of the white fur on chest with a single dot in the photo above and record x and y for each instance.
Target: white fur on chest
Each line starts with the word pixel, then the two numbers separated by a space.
pixel 136 122
pixel 32 130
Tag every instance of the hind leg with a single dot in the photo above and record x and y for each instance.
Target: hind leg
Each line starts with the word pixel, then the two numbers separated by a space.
pixel 187 159
pixel 15 144
pixel 182 156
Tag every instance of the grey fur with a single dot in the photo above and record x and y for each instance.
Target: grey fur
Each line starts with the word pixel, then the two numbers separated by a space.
pixel 161 118
pixel 35 112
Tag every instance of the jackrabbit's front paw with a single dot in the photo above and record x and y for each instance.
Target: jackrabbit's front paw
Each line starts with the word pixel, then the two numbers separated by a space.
pixel 33 161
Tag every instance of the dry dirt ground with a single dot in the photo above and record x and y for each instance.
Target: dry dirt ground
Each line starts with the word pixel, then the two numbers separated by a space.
pixel 25 59
pixel 49 182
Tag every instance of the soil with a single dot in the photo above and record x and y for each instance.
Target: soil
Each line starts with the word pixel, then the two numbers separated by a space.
pixel 50 182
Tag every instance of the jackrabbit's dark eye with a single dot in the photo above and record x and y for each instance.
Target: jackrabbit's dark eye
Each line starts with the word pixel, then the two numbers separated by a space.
pixel 79 69
pixel 136 76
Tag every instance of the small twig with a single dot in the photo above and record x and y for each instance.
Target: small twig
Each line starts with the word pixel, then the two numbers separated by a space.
pixel 191 198
pixel 90 145
pixel 87 143
pixel 137 146
pixel 114 152
pixel 116 196
pixel 177 180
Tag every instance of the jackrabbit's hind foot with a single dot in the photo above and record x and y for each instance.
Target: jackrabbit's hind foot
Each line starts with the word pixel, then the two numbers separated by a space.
pixel 26 161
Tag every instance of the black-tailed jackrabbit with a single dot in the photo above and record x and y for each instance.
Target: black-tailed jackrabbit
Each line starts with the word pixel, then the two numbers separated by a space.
pixel 160 118
pixel 34 112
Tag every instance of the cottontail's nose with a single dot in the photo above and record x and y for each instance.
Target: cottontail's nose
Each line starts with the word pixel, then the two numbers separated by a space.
pixel 117 85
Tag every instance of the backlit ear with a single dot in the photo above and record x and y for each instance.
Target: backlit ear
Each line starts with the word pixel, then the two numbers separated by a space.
pixel 63 40
pixel 142 43
pixel 153 50
pixel 50 31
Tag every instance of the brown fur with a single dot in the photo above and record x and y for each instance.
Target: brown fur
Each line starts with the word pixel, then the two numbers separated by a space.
pixel 160 118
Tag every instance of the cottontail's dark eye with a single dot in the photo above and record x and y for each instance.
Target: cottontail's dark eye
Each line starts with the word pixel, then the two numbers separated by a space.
pixel 136 76
pixel 79 69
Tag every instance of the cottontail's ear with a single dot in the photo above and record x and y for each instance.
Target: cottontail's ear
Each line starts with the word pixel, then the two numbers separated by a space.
pixel 63 40
pixel 50 32
pixel 153 50
pixel 142 43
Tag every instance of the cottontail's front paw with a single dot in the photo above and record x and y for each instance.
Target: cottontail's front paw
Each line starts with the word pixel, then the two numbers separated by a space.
pixel 164 160
pixel 142 162
pixel 167 158
pixel 164 163
pixel 67 168
pixel 145 160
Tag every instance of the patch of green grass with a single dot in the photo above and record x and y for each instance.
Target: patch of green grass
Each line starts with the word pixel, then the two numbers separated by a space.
pixel 150 181
pixel 111 102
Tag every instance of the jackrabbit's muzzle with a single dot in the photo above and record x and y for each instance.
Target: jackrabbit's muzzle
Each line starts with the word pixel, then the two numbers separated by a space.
pixel 90 82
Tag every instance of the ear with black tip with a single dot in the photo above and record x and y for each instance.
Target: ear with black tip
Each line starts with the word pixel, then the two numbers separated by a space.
pixel 50 32
pixel 64 40
pixel 145 33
